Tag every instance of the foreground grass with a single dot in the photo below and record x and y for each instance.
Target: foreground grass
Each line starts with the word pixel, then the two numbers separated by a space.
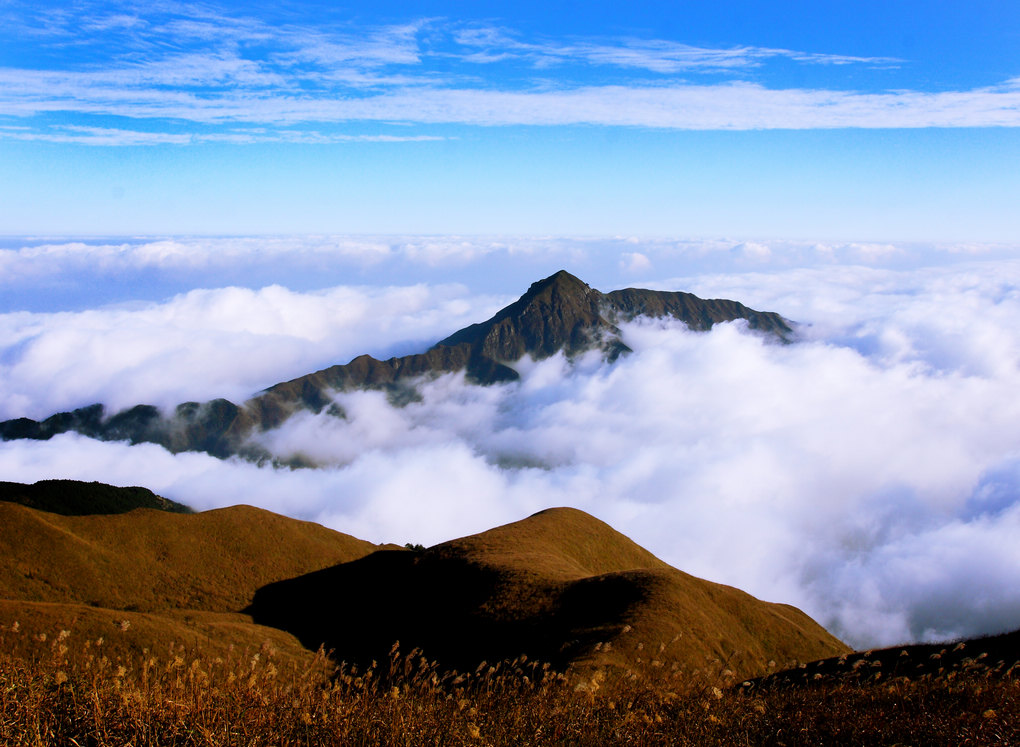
pixel 56 690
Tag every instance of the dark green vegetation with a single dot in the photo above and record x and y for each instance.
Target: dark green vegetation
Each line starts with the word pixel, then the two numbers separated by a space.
pixel 75 498
pixel 559 313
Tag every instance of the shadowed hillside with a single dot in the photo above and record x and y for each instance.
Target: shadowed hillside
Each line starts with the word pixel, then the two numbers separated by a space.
pixel 559 313
pixel 559 586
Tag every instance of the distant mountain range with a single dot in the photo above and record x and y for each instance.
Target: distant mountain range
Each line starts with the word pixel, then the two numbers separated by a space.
pixel 558 314
pixel 560 587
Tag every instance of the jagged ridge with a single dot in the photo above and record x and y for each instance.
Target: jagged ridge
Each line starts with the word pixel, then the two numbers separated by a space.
pixel 558 313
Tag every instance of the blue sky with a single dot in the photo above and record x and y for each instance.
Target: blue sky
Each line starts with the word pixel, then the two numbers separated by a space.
pixel 796 120
pixel 199 200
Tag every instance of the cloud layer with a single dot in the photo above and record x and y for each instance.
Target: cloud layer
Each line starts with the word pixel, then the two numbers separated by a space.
pixel 226 342
pixel 869 474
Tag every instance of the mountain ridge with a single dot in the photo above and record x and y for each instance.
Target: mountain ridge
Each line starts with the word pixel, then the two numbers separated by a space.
pixel 559 313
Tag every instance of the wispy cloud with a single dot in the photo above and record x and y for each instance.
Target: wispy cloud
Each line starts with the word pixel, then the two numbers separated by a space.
pixel 107 136
pixel 181 65
pixel 736 106
pixel 653 55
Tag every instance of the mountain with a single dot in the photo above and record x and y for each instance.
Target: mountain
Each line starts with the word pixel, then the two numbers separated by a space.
pixel 559 313
pixel 559 586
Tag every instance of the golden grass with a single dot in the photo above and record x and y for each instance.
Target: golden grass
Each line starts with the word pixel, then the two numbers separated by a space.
pixel 60 688
pixel 148 560
pixel 568 564
pixel 550 586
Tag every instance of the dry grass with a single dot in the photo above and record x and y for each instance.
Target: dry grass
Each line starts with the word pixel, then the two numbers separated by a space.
pixel 59 688
pixel 550 586
pixel 148 560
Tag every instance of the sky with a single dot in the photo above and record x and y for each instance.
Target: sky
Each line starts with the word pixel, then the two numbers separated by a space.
pixel 850 121
pixel 200 200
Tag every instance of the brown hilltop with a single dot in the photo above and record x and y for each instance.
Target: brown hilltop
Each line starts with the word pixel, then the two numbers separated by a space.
pixel 559 586
pixel 558 313
pixel 173 576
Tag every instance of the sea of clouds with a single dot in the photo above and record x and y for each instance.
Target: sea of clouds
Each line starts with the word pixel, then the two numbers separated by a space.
pixel 869 473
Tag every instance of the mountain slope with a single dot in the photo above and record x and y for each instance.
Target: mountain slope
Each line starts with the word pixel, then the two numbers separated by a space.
pixel 987 657
pixel 559 586
pixel 559 313
pixel 149 577
pixel 149 561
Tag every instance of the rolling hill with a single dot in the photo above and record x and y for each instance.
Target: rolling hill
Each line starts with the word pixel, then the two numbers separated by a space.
pixel 559 586
pixel 171 576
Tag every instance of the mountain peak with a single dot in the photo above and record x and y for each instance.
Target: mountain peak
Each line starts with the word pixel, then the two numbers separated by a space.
pixel 558 314
pixel 561 282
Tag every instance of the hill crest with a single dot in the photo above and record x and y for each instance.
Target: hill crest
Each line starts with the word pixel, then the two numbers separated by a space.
pixel 559 586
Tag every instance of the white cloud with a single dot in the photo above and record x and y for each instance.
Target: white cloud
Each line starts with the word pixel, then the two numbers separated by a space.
pixel 869 474
pixel 227 70
pixel 635 262
pixel 730 106
pixel 228 342
pixel 66 262
pixel 107 136
pixel 655 55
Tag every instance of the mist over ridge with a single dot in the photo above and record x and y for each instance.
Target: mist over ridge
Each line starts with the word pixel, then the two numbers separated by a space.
pixel 868 474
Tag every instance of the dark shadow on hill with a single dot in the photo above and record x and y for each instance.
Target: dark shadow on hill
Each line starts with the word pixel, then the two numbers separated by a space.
pixel 76 498
pixel 455 611
pixel 987 656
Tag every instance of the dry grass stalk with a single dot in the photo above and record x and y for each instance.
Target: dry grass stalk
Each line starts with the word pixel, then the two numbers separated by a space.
pixel 58 689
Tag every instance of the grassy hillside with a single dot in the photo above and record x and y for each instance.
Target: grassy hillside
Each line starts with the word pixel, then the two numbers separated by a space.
pixel 165 578
pixel 560 586
pixel 131 627
pixel 149 560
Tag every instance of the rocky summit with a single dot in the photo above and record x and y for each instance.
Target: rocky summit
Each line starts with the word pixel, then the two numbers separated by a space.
pixel 560 313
